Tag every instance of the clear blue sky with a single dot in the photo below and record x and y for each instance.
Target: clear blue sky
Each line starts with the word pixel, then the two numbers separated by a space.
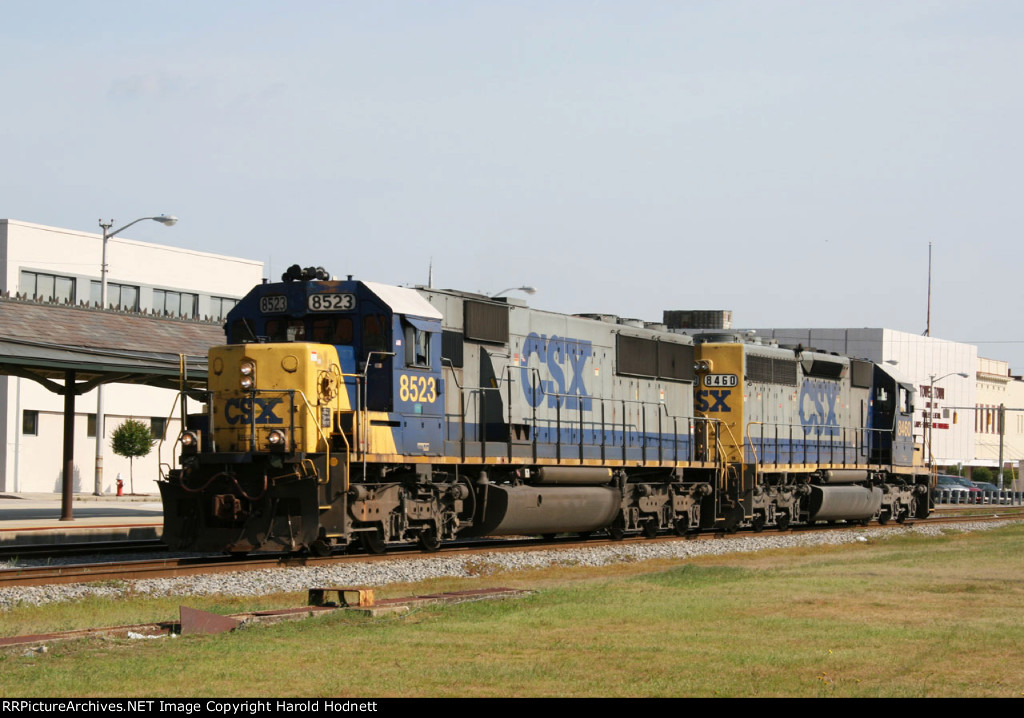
pixel 786 160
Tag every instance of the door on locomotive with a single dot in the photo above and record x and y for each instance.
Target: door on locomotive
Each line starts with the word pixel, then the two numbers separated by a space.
pixel 891 419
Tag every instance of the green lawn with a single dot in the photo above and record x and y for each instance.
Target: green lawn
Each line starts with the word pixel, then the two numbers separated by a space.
pixel 908 616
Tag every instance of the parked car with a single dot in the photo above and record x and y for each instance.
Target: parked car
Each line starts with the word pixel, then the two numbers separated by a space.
pixel 990 492
pixel 956 490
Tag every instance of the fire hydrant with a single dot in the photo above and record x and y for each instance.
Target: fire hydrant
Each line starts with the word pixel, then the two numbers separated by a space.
pixel 120 487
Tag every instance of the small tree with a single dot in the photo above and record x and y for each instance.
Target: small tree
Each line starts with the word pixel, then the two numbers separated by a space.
pixel 132 439
pixel 981 473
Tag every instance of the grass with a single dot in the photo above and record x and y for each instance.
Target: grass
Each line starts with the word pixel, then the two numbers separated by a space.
pixel 909 616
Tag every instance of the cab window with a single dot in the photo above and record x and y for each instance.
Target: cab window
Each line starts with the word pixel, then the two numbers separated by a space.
pixel 417 346
pixel 375 334
pixel 332 330
pixel 286 330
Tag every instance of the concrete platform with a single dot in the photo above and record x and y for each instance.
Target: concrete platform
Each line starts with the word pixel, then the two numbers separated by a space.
pixel 34 519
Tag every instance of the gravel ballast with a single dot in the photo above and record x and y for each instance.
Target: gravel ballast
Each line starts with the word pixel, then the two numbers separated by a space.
pixel 381 573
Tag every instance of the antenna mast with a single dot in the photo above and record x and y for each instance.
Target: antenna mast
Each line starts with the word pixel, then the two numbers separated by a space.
pixel 928 325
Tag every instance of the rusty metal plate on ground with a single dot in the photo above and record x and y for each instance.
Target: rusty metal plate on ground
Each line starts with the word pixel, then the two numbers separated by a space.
pixel 196 622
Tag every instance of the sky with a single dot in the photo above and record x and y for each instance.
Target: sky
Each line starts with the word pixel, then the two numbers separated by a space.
pixel 787 160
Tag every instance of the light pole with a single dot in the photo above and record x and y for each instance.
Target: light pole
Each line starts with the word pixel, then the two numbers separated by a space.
pixel 931 410
pixel 524 290
pixel 168 221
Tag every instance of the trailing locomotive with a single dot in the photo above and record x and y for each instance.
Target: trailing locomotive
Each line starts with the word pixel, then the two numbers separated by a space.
pixel 344 413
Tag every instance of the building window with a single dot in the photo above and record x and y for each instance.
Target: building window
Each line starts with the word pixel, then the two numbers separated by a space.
pixel 220 306
pixel 175 304
pixel 30 422
pixel 90 425
pixel 119 296
pixel 48 286
pixel 158 427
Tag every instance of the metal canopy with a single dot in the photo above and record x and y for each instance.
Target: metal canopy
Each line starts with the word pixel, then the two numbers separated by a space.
pixel 46 363
pixel 71 350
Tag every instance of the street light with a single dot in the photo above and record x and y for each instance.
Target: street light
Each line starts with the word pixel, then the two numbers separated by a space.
pixel 931 407
pixel 524 290
pixel 168 220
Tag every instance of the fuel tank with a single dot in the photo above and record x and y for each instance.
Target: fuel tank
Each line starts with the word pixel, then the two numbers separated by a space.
pixel 529 510
pixel 832 503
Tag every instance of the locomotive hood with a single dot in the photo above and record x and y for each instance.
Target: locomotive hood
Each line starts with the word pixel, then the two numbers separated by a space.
pixel 403 301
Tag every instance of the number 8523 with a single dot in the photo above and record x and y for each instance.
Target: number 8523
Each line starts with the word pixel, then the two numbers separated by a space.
pixel 417 388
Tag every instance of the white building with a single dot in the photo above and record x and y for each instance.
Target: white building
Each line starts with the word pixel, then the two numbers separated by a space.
pixel 921 360
pixel 999 416
pixel 62 264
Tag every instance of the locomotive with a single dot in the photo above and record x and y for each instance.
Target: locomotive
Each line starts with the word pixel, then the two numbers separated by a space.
pixel 346 413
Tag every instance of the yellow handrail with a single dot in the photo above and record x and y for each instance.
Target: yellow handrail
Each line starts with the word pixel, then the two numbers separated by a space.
pixel 326 439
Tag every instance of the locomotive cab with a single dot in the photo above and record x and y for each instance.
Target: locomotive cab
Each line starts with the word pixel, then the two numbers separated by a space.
pixel 387 342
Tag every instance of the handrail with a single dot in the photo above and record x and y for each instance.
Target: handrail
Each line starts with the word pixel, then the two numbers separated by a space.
pixel 163 437
pixel 320 431
pixel 860 445
pixel 594 425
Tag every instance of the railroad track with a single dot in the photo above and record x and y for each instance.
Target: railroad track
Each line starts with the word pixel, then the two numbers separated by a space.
pixel 170 567
pixel 85 548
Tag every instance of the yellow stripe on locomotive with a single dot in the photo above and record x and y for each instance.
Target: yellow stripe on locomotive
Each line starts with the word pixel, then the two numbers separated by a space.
pixel 719 396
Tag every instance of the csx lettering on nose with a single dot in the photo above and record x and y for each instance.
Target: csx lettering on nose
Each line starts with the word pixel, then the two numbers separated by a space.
pixel 239 410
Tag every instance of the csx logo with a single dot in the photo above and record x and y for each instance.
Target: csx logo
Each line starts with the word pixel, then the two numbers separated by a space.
pixel 237 411
pixel 562 356
pixel 818 408
pixel 713 400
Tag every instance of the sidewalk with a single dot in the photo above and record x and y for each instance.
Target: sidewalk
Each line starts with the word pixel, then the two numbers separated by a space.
pixel 34 518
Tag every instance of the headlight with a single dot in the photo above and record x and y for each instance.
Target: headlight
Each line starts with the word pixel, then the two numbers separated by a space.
pixel 277 439
pixel 247 368
pixel 246 382
pixel 189 442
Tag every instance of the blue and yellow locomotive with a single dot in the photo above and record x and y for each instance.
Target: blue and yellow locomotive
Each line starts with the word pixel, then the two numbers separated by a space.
pixel 346 413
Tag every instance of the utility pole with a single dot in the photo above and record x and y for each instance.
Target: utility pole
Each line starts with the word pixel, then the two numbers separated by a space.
pixel 1002 434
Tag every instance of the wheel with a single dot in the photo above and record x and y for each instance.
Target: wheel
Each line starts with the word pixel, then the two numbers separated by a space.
pixel 864 522
pixel 617 530
pixel 883 518
pixel 782 522
pixel 681 526
pixel 428 540
pixel 923 508
pixel 733 519
pixel 902 517
pixel 758 523
pixel 373 541
pixel 651 528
